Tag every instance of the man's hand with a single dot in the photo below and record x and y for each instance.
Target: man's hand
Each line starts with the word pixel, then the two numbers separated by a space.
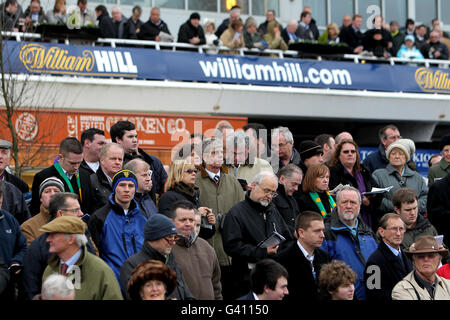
pixel 272 250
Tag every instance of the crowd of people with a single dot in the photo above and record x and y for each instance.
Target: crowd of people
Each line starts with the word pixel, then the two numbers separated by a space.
pixel 382 39
pixel 231 217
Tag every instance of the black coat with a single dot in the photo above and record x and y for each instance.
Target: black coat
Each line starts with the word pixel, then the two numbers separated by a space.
pixel 301 283
pixel 181 292
pixel 287 207
pixel 438 207
pixel 106 26
pixel 14 203
pixel 149 30
pixel 188 31
pixel 100 190
pixel 19 183
pixel 134 28
pixel 391 272
pixel 350 37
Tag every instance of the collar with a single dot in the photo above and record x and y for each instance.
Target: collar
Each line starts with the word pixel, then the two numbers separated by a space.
pixel 72 260
pixel 305 253
pixel 394 251
pixel 353 230
pixel 255 296
pixel 304 25
pixel 423 283
pixel 353 27
pixel 212 175
pixel 444 164
pixel 110 180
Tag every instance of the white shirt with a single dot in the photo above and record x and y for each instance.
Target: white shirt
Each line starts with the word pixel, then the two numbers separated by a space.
pixel 93 165
pixel 305 253
pixel 212 175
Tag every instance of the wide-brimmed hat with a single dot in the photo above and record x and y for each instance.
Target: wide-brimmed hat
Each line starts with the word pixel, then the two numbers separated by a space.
pixel 427 244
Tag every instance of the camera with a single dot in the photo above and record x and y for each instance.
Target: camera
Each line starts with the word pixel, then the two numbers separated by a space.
pixel 205 224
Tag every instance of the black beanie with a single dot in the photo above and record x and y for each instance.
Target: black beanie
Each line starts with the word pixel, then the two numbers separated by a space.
pixel 444 141
pixel 308 149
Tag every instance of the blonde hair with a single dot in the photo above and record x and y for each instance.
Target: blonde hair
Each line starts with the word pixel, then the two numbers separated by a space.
pixel 176 171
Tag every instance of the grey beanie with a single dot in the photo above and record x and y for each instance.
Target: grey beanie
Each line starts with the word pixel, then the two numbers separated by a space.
pixel 158 226
pixel 400 146
pixel 51 181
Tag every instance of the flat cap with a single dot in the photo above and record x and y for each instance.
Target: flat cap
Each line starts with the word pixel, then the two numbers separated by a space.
pixel 5 144
pixel 65 224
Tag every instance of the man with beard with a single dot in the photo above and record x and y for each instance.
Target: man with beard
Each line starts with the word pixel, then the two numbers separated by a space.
pixel 248 224
pixel 348 238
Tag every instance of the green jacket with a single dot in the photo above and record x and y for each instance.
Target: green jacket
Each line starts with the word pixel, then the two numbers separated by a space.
pixel 220 198
pixel 97 280
pixel 439 170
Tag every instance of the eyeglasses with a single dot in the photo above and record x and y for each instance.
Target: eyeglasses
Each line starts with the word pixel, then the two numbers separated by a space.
pixel 349 151
pixel 171 240
pixel 430 255
pixel 269 192
pixel 396 229
pixel 74 210
pixel 190 171
pixel 394 137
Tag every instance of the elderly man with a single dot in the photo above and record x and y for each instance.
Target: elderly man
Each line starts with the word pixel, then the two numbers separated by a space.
pixel 47 189
pixel 303 259
pixel 153 27
pixel 435 49
pixel 442 168
pixel 5 155
pixel 120 23
pixel 289 179
pixel 270 16
pixel 160 238
pixel 377 159
pixel 248 224
pixel 283 151
pixel 348 238
pixel 90 275
pixel 388 264
pixel 423 283
pixel 235 15
pixel 291 33
pixel 195 256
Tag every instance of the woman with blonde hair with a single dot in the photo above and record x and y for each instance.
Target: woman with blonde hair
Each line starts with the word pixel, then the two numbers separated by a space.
pixel 330 35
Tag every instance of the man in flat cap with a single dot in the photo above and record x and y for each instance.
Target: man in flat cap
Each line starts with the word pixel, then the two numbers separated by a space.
pixel 5 155
pixel 90 276
pixel 47 189
pixel 117 228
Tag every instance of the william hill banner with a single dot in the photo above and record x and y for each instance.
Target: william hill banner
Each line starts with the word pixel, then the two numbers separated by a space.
pixel 139 63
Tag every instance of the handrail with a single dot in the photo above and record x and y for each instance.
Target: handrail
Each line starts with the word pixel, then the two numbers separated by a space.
pixel 392 60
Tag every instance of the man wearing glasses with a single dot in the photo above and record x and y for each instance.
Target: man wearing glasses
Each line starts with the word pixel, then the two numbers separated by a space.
pixel 248 224
pixel 160 234
pixel 377 159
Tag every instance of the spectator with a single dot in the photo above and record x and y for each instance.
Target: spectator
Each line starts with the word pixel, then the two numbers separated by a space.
pixel 289 179
pixel 151 280
pixel 5 156
pixel 343 135
pixel 391 263
pixel 258 132
pixel 304 30
pixel 405 205
pixel 273 36
pixel 438 207
pixel 92 278
pixel 111 160
pixel 398 37
pixel 247 224
pixel 33 15
pixel 155 29
pixel 311 154
pixel 346 21
pixel 118 227
pixel 283 151
pixel 377 159
pixel 55 288
pixel 47 189
pixel 233 37
pixel 191 152
pixel 315 196
pixel 125 134
pixel 235 15
pixel 263 27
pixel 105 22
pixel 408 50
pixel 444 271
pixel 160 237
pixel 269 281
pixel 134 23
pixel 337 281
pixel 58 14
pixel 88 17
pixel 252 38
pixel 347 169
pixel 191 31
pixel 435 23
pixel 144 185
pixel 220 196
pixel 303 259
pixel 36 257
pixel 330 35
pixel 421 38
pixel 409 28
pixel 223 130
pixel 348 238
pixel 435 49
pixel 196 258
pixel 210 37
pixel 375 43
pixel 312 24
pixel 119 23
pixel 423 283
pixel 10 15
pixel 352 35
pixel 291 32
pixel 328 145
pixel 12 247
pixel 398 175
pixel 434 159
pixel 92 140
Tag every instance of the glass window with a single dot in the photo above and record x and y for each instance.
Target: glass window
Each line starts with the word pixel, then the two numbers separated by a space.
pixel 368 9
pixel 319 11
pixel 142 3
pixel 426 11
pixel 226 5
pixel 172 4
pixel 339 8
pixel 395 10
pixel 445 11
pixel 203 5
pixel 259 7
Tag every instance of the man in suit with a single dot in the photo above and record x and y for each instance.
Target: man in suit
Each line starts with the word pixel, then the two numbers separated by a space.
pixel 388 264
pixel 269 281
pixel 352 35
pixel 303 259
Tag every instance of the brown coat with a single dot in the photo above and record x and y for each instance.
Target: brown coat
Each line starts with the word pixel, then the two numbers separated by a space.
pixel 30 228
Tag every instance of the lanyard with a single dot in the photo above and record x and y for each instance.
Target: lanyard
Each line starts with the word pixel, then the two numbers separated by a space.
pixel 66 179
pixel 319 203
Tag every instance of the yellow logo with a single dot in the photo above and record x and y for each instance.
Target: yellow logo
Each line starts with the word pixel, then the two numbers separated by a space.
pixel 126 174
pixel 433 81
pixel 38 58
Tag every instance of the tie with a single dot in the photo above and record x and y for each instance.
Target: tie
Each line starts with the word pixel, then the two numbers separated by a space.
pixel 64 269
pixel 217 179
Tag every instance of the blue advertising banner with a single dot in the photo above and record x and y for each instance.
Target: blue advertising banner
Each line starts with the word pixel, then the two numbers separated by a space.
pixel 420 157
pixel 47 58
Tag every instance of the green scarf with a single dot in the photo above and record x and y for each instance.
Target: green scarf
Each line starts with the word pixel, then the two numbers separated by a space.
pixel 319 203
pixel 66 179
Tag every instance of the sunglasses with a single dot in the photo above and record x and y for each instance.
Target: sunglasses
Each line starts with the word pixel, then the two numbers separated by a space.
pixel 190 171
pixel 348 151
pixel 426 255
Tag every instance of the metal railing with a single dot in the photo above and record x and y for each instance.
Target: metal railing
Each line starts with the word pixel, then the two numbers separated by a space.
pixel 394 60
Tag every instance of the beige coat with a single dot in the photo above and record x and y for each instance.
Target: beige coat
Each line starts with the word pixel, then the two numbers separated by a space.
pixel 249 171
pixel 227 39
pixel 30 228
pixel 404 290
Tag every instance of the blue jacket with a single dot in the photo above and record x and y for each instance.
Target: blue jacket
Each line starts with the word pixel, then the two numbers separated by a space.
pixel 146 204
pixel 376 160
pixel 13 243
pixel 341 245
pixel 116 235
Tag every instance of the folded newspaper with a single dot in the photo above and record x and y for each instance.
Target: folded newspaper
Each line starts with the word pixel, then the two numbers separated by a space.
pixel 273 239
pixel 378 190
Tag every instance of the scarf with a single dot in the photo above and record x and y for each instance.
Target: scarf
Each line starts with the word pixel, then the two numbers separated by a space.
pixel 66 179
pixel 319 203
